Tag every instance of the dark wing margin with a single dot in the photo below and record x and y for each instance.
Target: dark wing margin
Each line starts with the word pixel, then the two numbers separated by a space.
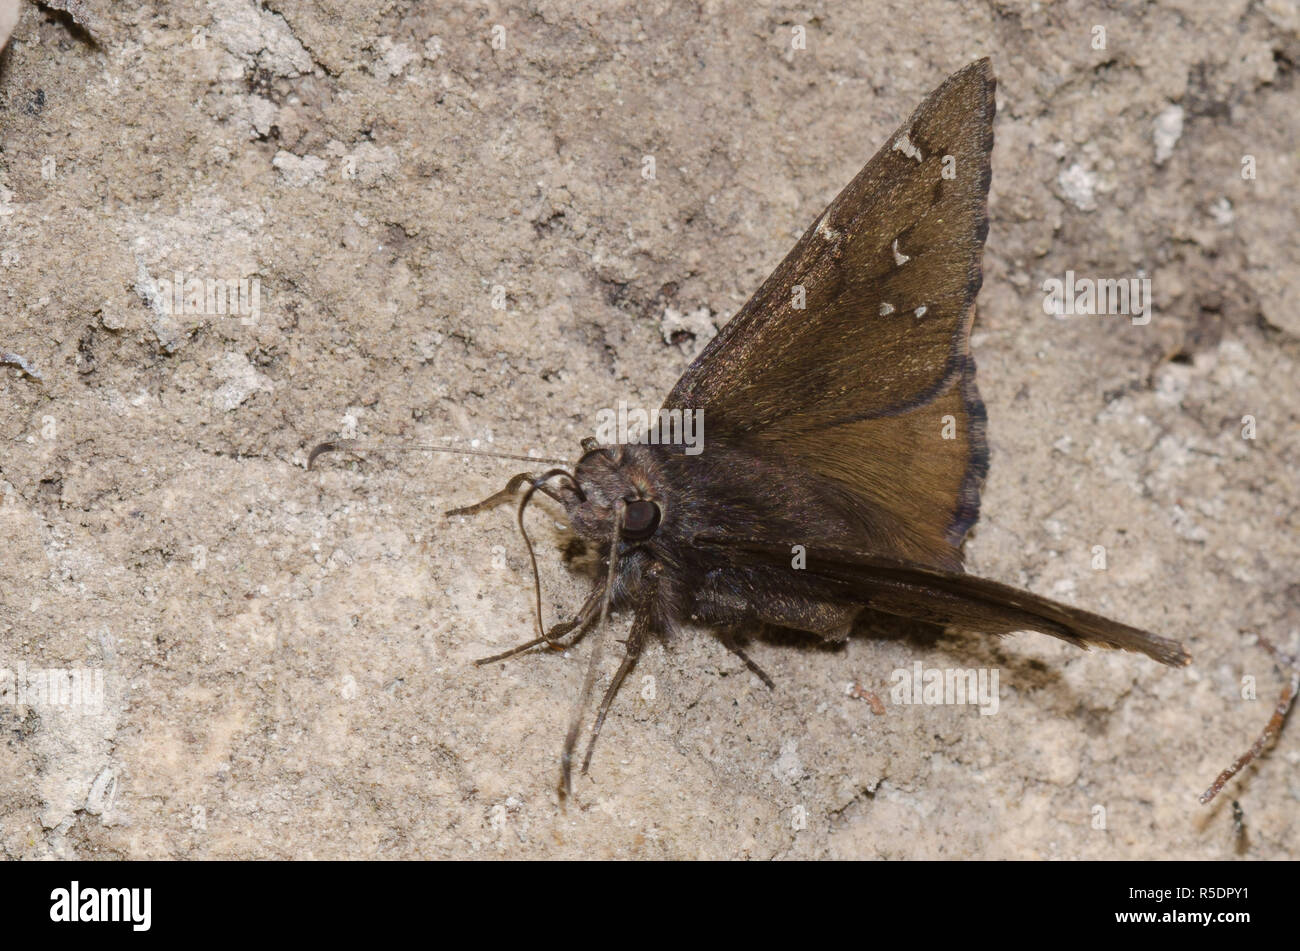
pixel 848 387
pixel 948 598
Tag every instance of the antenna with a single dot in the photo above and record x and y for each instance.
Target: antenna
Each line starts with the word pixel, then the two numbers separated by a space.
pixel 354 445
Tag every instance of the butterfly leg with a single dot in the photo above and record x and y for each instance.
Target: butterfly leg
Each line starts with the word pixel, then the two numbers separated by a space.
pixel 579 622
pixel 635 641
pixel 512 487
pixel 728 638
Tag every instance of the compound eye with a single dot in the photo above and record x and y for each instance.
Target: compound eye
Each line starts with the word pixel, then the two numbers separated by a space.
pixel 640 519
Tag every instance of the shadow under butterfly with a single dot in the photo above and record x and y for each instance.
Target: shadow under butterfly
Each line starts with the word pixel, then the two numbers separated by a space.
pixel 850 427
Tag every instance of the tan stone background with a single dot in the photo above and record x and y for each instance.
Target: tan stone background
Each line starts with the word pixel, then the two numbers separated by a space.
pixel 287 654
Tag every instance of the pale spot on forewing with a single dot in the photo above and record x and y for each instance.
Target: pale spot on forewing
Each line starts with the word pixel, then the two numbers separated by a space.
pixel 826 231
pixel 920 311
pixel 904 144
pixel 899 257
pixel 886 310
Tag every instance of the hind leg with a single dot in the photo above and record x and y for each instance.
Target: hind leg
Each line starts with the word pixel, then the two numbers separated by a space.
pixel 728 638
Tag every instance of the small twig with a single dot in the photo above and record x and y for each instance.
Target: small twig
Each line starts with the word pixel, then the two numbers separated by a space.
pixel 1271 729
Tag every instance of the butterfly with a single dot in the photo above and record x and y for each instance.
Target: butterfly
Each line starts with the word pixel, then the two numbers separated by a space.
pixel 846 444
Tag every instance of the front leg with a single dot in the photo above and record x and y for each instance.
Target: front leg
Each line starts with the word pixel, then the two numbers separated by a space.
pixel 580 622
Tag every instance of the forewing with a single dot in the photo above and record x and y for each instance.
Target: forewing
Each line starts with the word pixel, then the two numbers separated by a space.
pixel 866 322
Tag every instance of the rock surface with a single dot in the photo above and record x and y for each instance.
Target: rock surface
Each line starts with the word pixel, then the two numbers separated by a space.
pixel 455 240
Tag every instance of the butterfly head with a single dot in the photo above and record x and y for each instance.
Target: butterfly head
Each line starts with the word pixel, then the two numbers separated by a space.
pixel 616 485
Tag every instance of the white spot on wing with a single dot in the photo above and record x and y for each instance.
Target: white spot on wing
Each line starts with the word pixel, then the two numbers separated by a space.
pixel 904 144
pixel 886 310
pixel 899 257
pixel 920 311
pixel 826 231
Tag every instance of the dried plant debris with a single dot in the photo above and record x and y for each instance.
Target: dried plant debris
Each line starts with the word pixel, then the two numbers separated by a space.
pixel 859 692
pixel 14 360
pixel 1240 837
pixel 1290 665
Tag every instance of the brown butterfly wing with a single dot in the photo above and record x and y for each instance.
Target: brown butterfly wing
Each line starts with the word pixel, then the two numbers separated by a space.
pixel 870 385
